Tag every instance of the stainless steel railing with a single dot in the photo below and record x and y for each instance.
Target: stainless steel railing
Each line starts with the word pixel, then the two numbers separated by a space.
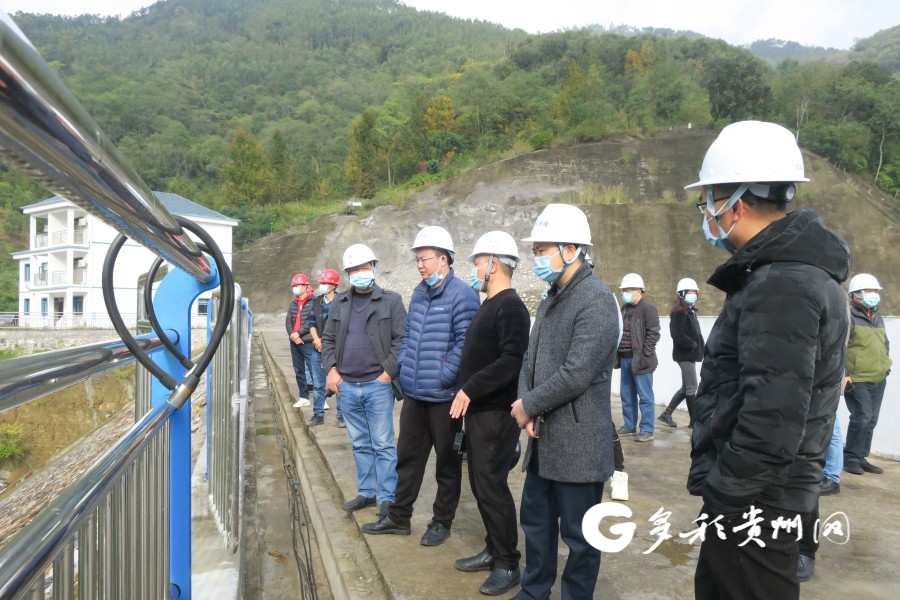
pixel 114 517
pixel 227 393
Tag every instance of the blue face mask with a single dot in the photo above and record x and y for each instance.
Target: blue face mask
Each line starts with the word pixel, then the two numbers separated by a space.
pixel 721 241
pixel 690 298
pixel 435 277
pixel 543 269
pixel 627 297
pixel 323 290
pixel 476 283
pixel 362 280
pixel 871 299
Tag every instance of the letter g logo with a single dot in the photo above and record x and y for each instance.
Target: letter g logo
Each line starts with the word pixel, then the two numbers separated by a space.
pixel 590 527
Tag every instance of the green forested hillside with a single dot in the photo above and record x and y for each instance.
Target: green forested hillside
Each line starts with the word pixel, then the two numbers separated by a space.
pixel 272 111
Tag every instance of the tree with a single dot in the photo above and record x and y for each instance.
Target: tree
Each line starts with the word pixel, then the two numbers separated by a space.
pixel 246 173
pixel 737 87
pixel 361 164
pixel 440 115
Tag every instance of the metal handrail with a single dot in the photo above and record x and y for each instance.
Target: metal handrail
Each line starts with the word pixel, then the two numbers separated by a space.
pixel 47 134
pixel 28 377
pixel 49 531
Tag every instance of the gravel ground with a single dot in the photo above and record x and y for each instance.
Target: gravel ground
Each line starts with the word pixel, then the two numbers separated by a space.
pixel 20 505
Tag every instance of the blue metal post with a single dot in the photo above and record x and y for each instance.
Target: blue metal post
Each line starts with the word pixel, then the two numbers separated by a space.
pixel 172 303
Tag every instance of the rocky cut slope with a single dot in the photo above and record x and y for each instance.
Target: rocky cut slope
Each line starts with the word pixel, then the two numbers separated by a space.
pixel 632 190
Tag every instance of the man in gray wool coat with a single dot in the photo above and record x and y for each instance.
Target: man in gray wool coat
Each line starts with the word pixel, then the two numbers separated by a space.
pixel 564 406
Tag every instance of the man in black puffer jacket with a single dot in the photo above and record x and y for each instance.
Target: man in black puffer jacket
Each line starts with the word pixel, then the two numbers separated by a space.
pixel 771 375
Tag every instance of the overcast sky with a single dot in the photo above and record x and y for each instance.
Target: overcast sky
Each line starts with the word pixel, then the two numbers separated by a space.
pixel 835 23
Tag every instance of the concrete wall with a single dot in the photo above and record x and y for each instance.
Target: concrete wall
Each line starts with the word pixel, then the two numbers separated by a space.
pixel 886 443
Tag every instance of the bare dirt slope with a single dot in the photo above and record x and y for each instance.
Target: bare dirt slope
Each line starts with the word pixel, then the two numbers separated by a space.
pixel 632 189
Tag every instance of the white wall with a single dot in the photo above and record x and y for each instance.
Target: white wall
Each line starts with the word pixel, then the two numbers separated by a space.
pixel 886 442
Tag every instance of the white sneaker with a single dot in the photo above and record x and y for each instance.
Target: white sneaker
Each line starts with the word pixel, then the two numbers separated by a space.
pixel 326 405
pixel 619 486
pixel 301 402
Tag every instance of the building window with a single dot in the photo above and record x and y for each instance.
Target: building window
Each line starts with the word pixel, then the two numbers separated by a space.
pixel 78 305
pixel 203 306
pixel 44 307
pixel 27 271
pixel 26 306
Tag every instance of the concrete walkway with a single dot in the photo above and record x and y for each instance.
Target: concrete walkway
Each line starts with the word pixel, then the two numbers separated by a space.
pixel 358 566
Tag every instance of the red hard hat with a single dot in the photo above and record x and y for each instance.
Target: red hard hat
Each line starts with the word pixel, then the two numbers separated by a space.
pixel 330 276
pixel 299 279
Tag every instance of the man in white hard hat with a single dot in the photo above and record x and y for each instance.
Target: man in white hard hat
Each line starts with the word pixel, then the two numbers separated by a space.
pixel 440 310
pixel 564 406
pixel 772 372
pixel 360 348
pixel 489 376
pixel 868 363
pixel 636 358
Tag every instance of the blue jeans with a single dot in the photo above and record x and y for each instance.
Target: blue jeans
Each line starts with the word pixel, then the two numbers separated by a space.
pixel 834 460
pixel 864 403
pixel 318 379
pixel 369 413
pixel 634 387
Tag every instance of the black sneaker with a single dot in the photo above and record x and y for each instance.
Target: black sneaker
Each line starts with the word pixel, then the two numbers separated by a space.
pixel 341 423
pixel 625 431
pixel 358 503
pixel 315 420
pixel 870 468
pixel 667 419
pixel 435 535
pixel 806 566
pixel 854 468
pixel 829 487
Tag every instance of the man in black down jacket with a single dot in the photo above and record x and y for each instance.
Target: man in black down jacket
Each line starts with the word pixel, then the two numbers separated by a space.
pixel 771 376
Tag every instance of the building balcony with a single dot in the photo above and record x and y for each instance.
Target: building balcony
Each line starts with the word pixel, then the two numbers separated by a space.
pixel 41 240
pixel 41 279
pixel 76 236
pixel 79 276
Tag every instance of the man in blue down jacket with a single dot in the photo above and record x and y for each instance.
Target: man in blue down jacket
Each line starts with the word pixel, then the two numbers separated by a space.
pixel 774 362
pixel 440 311
pixel 563 405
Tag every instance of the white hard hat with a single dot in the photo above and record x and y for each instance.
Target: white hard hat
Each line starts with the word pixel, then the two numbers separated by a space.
pixel 632 280
pixel 752 152
pixel 435 237
pixel 562 224
pixel 687 284
pixel 496 243
pixel 358 254
pixel 863 281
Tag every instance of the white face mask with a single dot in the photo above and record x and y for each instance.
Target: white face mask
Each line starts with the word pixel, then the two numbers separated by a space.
pixel 297 290
pixel 690 298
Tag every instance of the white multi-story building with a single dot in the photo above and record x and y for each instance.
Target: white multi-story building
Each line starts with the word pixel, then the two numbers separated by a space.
pixel 60 274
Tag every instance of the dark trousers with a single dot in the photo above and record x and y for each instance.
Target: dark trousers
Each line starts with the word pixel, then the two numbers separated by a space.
pixel 688 388
pixel 727 571
pixel 298 359
pixel 551 509
pixel 423 426
pixel 491 437
pixel 864 403
pixel 809 543
pixel 618 455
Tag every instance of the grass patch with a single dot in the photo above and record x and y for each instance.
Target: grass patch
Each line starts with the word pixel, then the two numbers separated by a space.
pixel 593 194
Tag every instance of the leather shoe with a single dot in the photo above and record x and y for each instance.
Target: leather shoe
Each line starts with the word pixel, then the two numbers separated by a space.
pixel 358 503
pixel 870 468
pixel 854 468
pixel 483 561
pixel 806 567
pixel 435 535
pixel 829 487
pixel 385 526
pixel 500 582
